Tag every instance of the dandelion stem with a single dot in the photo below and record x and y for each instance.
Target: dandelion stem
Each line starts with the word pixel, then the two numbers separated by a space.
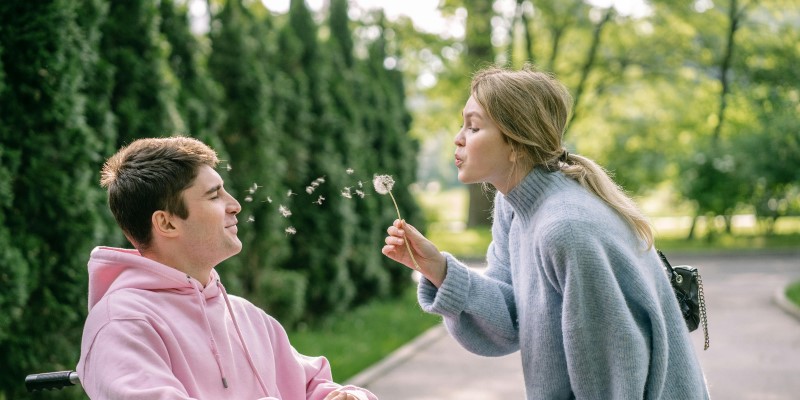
pixel 408 247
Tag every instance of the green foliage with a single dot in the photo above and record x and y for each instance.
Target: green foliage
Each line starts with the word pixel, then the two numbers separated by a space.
pixel 257 166
pixel 366 266
pixel 48 156
pixel 143 92
pixel 793 293
pixel 321 259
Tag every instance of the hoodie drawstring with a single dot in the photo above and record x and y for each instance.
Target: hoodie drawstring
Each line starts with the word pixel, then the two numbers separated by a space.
pixel 241 339
pixel 213 343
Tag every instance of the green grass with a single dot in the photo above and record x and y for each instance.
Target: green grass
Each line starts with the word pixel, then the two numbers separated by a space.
pixel 793 293
pixel 361 337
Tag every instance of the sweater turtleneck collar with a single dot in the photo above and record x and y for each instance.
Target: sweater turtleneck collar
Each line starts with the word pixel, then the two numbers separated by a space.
pixel 527 196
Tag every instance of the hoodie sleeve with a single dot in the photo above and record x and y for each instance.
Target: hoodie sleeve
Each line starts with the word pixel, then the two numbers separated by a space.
pixel 128 360
pixel 314 372
pixel 320 382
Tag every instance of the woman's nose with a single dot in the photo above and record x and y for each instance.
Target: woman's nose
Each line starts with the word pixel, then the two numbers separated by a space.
pixel 459 139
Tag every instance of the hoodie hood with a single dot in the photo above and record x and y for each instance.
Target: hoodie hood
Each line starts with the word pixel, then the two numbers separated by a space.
pixel 112 269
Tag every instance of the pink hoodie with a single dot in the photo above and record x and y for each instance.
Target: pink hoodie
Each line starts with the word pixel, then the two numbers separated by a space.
pixel 155 333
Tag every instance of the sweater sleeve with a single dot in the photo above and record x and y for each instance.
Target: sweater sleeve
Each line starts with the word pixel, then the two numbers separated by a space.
pixel 479 308
pixel 128 360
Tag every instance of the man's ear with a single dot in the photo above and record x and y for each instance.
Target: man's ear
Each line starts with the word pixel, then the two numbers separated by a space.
pixel 163 224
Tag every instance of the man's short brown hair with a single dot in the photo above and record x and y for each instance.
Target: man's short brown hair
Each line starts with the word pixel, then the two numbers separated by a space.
pixel 150 175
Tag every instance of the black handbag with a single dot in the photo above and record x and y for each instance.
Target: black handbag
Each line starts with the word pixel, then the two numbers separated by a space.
pixel 688 288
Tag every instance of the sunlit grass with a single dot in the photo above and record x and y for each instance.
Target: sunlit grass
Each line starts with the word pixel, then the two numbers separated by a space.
pixel 447 230
pixel 793 293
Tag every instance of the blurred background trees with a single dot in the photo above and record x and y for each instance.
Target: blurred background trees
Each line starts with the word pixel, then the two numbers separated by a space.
pixel 692 104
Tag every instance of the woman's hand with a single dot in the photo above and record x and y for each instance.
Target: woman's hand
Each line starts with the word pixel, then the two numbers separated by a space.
pixel 431 262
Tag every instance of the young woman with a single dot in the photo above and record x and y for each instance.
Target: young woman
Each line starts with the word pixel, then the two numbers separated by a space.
pixel 573 281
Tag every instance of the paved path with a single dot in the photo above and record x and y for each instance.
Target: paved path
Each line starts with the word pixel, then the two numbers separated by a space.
pixel 754 353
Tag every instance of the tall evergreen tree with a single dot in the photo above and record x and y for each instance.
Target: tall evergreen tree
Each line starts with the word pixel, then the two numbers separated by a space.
pixel 366 265
pixel 258 168
pixel 143 93
pixel 387 124
pixel 48 193
pixel 324 232
pixel 199 96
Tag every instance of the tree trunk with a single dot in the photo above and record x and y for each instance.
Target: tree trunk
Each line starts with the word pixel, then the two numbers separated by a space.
pixel 589 64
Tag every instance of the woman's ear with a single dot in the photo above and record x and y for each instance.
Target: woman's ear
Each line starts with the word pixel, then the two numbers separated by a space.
pixel 163 224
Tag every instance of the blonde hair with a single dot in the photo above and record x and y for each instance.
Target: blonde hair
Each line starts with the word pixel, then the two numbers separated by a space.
pixel 532 108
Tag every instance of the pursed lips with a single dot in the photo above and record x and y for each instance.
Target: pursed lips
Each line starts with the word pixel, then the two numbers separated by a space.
pixel 459 161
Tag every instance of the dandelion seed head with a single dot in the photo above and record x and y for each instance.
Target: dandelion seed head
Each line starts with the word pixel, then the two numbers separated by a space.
pixel 284 211
pixel 290 230
pixel 383 183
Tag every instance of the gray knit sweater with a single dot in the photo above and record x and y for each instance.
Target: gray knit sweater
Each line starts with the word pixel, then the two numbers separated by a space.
pixel 572 287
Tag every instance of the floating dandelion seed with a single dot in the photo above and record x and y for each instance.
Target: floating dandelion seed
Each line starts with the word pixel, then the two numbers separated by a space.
pixel 321 179
pixel 290 230
pixel 284 211
pixel 251 218
pixel 248 199
pixel 346 193
pixel 290 193
pixel 310 189
pixel 228 167
pixel 320 200
pixel 349 171
pixel 360 193
pixel 360 184
pixel 269 199
pixel 383 185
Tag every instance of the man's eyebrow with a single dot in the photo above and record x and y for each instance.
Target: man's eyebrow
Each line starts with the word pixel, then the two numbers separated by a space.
pixel 213 190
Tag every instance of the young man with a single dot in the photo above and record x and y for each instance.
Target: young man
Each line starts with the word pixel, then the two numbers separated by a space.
pixel 160 324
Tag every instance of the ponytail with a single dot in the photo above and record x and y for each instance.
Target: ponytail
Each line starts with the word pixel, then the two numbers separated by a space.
pixel 595 178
